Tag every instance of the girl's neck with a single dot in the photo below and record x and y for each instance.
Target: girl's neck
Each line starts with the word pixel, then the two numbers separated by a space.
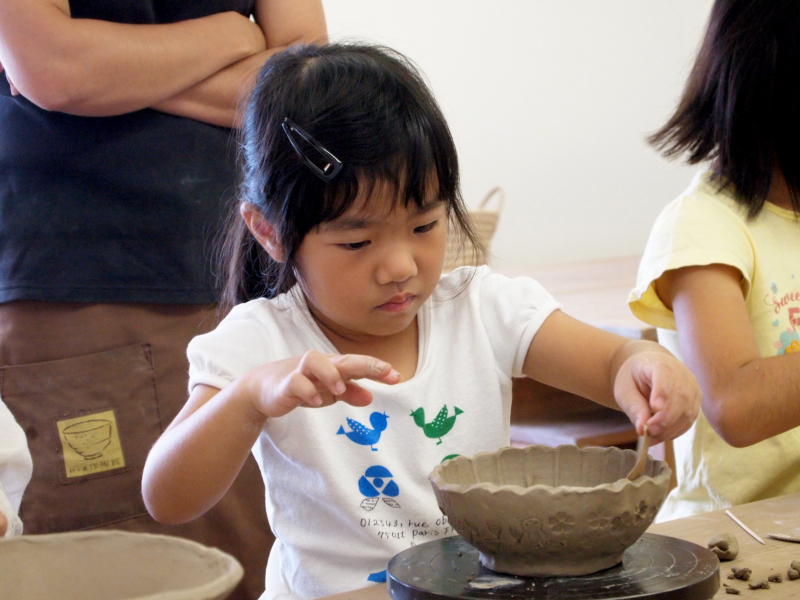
pixel 400 350
pixel 778 191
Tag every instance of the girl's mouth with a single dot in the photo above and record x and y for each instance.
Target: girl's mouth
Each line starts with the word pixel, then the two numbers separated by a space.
pixel 398 303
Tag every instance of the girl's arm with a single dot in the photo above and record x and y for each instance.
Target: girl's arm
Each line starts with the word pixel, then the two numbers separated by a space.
pixel 97 68
pixel 639 377
pixel 746 398
pixel 216 99
pixel 195 461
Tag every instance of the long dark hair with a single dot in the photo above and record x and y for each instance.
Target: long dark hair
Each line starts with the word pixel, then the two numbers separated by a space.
pixel 741 105
pixel 371 109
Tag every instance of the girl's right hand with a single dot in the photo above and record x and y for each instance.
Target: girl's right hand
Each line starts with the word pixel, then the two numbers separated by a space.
pixel 315 380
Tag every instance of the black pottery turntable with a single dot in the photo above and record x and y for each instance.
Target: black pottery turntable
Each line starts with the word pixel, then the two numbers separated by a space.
pixel 655 567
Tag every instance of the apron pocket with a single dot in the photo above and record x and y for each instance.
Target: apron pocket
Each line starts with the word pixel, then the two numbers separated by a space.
pixel 90 422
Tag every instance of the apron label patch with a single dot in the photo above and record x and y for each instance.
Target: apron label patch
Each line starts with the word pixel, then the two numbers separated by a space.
pixel 90 445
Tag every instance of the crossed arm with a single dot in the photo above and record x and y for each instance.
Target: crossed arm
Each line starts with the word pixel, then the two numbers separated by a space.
pixel 199 68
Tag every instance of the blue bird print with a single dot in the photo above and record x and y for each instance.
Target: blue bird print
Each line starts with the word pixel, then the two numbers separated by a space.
pixel 360 434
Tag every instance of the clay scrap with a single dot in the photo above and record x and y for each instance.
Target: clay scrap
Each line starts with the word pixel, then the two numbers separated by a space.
pixel 742 573
pixel 724 545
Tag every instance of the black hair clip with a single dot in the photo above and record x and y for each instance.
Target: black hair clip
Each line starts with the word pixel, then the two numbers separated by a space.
pixel 332 165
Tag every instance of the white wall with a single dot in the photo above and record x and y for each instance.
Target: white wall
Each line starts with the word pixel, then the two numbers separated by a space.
pixel 550 99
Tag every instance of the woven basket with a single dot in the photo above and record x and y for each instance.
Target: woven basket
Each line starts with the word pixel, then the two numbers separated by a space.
pixel 460 251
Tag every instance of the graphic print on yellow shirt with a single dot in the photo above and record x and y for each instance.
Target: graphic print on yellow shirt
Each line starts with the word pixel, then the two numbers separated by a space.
pixel 786 305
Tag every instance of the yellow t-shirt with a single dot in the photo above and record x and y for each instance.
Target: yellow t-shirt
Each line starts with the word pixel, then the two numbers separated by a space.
pixel 704 226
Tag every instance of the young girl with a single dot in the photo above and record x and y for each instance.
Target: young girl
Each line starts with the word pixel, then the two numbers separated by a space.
pixel 349 366
pixel 721 273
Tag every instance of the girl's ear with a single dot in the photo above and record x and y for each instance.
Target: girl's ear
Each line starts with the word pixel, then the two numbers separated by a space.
pixel 262 230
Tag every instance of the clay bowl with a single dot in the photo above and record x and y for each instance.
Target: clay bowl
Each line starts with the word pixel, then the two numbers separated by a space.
pixel 544 512
pixel 112 565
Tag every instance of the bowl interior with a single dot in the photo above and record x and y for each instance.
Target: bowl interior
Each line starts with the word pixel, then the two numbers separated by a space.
pixel 112 565
pixel 564 466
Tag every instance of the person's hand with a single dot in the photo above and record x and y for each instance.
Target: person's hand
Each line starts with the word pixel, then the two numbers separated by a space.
pixel 3 524
pixel 656 389
pixel 315 380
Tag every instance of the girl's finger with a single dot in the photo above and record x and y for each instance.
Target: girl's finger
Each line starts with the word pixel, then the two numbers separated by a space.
pixel 355 395
pixel 320 367
pixel 299 386
pixel 357 366
pixel 631 398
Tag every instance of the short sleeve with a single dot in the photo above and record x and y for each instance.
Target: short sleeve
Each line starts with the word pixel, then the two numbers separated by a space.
pixel 513 310
pixel 695 230
pixel 239 344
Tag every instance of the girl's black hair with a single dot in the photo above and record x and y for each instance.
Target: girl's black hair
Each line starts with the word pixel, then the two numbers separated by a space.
pixel 741 105
pixel 371 109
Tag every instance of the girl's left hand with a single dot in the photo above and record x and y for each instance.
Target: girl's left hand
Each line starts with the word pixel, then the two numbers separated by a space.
pixel 655 389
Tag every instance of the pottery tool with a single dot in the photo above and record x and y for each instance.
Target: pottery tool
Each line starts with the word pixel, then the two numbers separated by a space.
pixel 641 461
pixel 655 567
pixel 783 538
pixel 745 527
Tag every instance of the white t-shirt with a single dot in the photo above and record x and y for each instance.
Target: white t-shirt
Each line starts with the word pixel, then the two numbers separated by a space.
pixel 702 227
pixel 347 488
pixel 16 468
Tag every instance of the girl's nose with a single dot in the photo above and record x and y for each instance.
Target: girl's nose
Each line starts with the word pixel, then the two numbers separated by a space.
pixel 396 265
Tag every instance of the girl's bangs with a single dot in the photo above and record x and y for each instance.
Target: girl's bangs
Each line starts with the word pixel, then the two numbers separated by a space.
pixel 395 177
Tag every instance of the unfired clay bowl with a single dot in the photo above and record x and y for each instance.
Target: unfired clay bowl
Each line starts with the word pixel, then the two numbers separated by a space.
pixel 543 512
pixel 112 565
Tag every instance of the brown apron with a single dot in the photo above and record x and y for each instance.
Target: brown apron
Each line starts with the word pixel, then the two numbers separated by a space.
pixel 93 386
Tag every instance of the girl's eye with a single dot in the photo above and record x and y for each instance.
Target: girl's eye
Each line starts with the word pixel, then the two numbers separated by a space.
pixel 355 245
pixel 427 227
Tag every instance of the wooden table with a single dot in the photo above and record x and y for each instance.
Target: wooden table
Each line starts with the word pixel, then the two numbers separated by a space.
pixel 595 292
pixel 776 515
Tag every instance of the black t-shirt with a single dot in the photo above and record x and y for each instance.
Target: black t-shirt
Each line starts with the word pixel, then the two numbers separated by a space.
pixel 112 209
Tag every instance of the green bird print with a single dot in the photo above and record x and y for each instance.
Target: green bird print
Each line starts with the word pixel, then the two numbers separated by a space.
pixel 440 426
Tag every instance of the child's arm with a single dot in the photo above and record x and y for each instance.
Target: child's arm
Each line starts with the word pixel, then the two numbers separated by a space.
pixel 640 377
pixel 197 458
pixel 746 398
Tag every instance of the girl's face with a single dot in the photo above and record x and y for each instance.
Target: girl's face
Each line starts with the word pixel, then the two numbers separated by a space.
pixel 366 274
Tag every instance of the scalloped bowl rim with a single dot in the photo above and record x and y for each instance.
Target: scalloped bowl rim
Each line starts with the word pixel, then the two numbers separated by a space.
pixel 614 486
